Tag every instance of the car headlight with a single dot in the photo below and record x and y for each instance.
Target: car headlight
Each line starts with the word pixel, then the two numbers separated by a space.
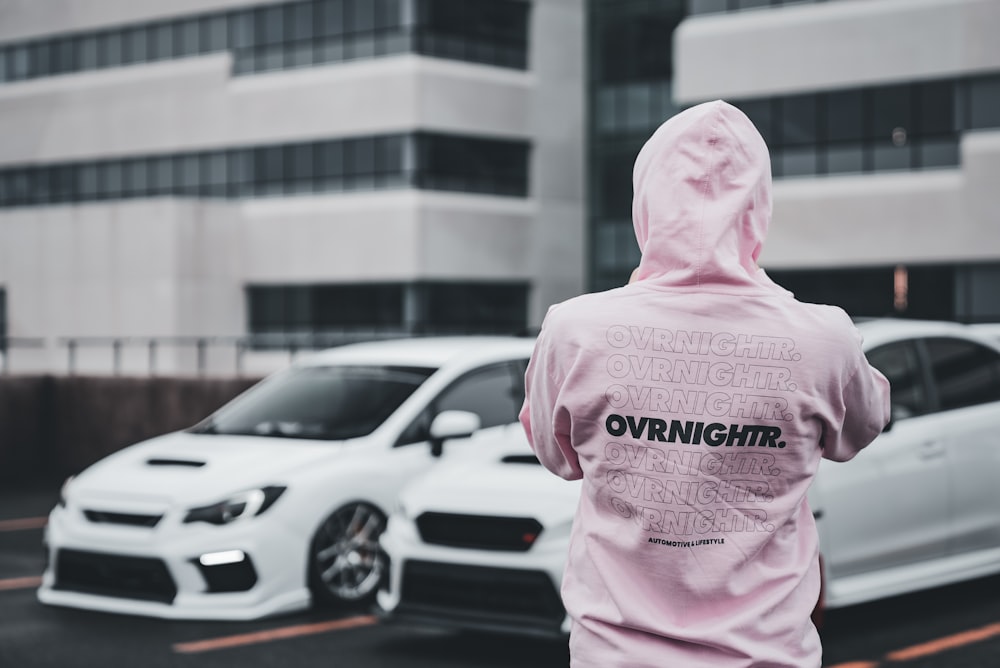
pixel 240 506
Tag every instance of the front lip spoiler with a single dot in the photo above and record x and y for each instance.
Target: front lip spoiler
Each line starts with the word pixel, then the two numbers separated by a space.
pixel 419 615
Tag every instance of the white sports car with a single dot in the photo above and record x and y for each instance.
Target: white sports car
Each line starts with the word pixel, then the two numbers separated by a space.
pixel 482 545
pixel 916 509
pixel 279 498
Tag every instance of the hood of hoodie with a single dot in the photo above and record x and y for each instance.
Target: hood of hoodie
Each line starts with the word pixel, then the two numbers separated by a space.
pixel 702 200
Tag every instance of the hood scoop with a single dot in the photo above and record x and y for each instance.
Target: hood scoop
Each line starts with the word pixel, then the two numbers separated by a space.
pixel 521 459
pixel 190 463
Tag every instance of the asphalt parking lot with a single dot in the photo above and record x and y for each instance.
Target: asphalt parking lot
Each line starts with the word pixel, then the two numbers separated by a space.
pixel 952 627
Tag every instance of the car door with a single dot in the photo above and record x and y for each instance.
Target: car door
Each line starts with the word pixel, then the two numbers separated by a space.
pixel 888 506
pixel 966 379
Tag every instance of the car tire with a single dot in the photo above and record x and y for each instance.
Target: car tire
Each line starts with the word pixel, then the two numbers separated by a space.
pixel 346 564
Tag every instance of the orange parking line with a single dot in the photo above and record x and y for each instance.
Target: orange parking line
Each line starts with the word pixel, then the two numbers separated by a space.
pixel 946 643
pixel 242 639
pixel 20 583
pixel 23 523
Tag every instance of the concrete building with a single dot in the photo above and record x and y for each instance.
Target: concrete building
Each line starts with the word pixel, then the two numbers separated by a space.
pixel 201 171
pixel 176 172
pixel 883 119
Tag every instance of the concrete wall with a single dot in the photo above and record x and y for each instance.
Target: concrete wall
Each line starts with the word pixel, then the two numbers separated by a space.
pixel 168 267
pixel 831 45
pixel 557 243
pixel 909 217
pixel 25 19
pixel 60 425
pixel 140 268
pixel 195 103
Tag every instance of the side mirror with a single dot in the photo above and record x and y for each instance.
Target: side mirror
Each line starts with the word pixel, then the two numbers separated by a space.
pixel 452 424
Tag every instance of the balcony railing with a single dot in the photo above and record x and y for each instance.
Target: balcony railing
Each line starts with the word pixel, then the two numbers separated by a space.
pixel 180 355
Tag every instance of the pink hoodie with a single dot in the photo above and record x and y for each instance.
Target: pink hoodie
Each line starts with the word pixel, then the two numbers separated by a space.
pixel 696 403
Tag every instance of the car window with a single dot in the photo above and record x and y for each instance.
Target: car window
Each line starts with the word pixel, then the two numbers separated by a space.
pixel 489 393
pixel 965 373
pixel 494 393
pixel 900 364
pixel 321 402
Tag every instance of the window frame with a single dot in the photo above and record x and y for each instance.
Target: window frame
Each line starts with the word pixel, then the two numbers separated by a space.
pixel 515 369
pixel 935 393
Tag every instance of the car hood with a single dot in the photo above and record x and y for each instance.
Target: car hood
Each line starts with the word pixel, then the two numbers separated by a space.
pixel 512 484
pixel 191 468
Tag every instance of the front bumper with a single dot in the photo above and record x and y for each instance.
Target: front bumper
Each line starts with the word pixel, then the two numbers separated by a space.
pixel 434 585
pixel 172 570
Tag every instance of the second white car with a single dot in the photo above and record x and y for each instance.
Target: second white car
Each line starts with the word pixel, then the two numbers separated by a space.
pixel 916 509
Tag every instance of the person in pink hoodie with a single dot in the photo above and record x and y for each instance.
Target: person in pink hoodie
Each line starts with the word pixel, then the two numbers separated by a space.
pixel 695 403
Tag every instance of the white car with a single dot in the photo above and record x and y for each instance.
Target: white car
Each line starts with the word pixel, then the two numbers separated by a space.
pixel 482 545
pixel 279 498
pixel 918 508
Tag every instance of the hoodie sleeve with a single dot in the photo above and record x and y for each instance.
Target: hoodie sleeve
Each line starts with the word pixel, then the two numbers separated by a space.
pixel 545 419
pixel 861 411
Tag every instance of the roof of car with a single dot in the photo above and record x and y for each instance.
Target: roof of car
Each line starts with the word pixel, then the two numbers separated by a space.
pixel 878 330
pixel 423 351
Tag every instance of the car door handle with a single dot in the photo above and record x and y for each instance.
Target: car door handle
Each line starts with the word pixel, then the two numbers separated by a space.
pixel 932 450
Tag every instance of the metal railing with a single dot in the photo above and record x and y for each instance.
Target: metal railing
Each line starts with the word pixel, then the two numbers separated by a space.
pixel 8 343
pixel 145 353
pixel 152 345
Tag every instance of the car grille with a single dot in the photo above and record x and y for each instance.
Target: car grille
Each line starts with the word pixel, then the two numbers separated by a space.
pixel 114 575
pixel 481 532
pixel 478 593
pixel 130 519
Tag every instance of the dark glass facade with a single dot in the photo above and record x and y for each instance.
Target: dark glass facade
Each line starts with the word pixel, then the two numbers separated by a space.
pixel 386 308
pixel 439 162
pixel 289 35
pixel 630 94
pixel 716 6
pixel 914 125
pixel 964 293
pixel 480 31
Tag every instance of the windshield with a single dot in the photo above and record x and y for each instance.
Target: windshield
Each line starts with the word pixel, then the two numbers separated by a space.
pixel 322 402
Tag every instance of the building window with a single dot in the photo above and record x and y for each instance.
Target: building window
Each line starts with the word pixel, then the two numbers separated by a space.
pixel 291 34
pixel 481 31
pixel 630 94
pixel 633 108
pixel 452 162
pixel 442 162
pixel 984 103
pixel 717 6
pixel 631 64
pixel 964 293
pixel 632 40
pixel 297 310
pixel 878 128
pixel 471 308
pixel 322 314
